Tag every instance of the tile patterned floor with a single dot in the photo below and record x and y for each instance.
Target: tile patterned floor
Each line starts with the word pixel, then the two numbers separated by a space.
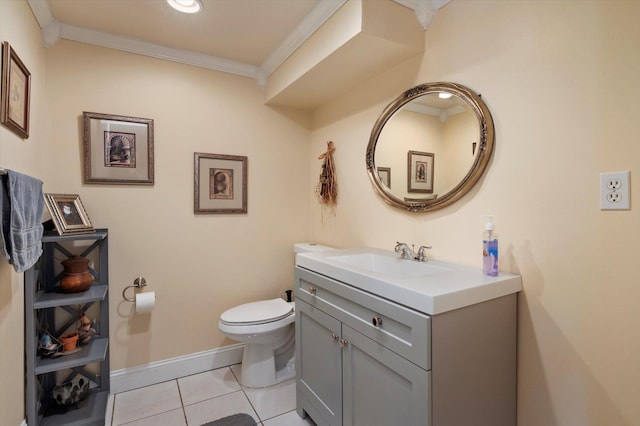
pixel 204 397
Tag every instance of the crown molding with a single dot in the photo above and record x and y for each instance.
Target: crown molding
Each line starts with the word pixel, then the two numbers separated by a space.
pixel 425 10
pixel 141 47
pixel 41 11
pixel 53 30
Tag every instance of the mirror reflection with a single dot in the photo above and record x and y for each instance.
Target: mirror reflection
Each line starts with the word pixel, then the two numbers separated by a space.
pixel 430 143
pixel 430 146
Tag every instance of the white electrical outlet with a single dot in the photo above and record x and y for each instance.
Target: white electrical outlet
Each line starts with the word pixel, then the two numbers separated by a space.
pixel 615 193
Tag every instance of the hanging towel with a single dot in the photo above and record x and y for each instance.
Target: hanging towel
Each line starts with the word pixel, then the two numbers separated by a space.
pixel 21 206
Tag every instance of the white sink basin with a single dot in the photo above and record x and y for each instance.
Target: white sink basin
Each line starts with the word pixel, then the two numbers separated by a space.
pixel 391 266
pixel 431 287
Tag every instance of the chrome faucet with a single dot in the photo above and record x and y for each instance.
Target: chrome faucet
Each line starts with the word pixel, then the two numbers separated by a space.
pixel 409 253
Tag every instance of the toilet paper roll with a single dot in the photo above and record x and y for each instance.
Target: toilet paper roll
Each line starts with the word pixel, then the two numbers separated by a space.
pixel 145 302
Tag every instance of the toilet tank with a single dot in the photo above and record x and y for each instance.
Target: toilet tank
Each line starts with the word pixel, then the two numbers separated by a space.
pixel 309 247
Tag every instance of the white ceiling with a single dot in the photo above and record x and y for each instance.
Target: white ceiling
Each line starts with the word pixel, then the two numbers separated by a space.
pixel 245 37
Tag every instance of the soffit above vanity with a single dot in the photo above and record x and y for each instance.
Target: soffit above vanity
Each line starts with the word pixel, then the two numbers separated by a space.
pixel 360 40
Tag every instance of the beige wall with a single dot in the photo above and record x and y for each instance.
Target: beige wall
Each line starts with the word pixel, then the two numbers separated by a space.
pixel 198 265
pixel 560 78
pixel 18 27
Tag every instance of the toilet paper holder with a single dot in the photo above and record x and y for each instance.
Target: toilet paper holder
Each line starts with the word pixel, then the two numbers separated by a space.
pixel 137 283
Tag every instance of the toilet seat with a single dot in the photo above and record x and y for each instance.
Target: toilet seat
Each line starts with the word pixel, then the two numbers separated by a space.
pixel 255 313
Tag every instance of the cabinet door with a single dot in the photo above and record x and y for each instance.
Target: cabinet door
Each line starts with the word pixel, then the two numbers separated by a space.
pixel 380 387
pixel 318 365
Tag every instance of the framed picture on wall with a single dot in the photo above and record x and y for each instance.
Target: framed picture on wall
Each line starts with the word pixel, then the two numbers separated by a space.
pixel 118 149
pixel 16 91
pixel 68 214
pixel 384 173
pixel 420 172
pixel 220 183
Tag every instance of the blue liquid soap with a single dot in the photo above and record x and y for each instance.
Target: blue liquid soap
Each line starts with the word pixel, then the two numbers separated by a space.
pixel 490 250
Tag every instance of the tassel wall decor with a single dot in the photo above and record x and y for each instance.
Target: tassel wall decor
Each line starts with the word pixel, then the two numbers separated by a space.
pixel 327 189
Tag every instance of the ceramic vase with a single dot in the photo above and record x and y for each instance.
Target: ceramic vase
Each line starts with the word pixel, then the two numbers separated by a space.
pixel 76 277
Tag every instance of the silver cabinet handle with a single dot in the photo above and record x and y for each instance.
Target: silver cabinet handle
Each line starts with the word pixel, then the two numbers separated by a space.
pixel 334 337
pixel 377 321
pixel 343 343
pixel 313 290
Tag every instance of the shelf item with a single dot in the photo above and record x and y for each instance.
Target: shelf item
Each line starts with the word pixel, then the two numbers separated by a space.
pixel 47 310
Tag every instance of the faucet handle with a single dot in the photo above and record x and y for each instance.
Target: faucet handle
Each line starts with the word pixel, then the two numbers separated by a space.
pixel 403 249
pixel 422 255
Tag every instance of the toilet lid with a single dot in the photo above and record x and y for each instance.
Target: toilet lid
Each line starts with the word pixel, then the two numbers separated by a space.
pixel 259 312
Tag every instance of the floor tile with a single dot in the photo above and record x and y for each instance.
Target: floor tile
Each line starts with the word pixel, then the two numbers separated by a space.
pixel 274 400
pixel 145 402
pixel 170 418
pixel 289 419
pixel 207 385
pixel 215 408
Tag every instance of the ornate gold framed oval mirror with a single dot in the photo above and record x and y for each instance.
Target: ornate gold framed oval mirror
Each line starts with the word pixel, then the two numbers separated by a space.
pixel 430 146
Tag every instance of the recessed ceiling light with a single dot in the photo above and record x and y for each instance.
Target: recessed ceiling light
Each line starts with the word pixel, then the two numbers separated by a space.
pixel 444 95
pixel 186 6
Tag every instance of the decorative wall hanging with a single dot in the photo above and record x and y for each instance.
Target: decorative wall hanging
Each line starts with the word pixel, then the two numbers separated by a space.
pixel 68 214
pixel 420 172
pixel 16 91
pixel 220 183
pixel 327 189
pixel 118 149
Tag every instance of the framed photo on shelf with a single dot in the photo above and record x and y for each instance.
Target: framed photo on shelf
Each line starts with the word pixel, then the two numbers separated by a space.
pixel 68 214
pixel 118 149
pixel 384 173
pixel 420 172
pixel 16 92
pixel 220 183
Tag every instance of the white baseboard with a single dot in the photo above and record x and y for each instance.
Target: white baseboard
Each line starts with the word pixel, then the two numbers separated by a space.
pixel 173 368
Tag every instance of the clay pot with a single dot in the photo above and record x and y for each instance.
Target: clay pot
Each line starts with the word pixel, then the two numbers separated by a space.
pixel 76 277
pixel 69 341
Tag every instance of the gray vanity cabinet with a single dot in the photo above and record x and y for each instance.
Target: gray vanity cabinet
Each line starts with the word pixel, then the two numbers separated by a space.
pixel 346 372
pixel 318 364
pixel 379 386
pixel 366 360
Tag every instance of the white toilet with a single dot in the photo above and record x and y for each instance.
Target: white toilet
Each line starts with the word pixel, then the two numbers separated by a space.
pixel 266 327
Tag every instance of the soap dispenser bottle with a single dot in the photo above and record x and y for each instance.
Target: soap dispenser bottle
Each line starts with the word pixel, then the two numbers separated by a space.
pixel 490 249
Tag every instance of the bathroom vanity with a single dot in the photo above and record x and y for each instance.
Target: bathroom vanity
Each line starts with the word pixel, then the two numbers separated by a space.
pixel 387 341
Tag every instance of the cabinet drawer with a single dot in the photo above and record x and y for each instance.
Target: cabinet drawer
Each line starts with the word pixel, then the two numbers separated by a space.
pixel 400 329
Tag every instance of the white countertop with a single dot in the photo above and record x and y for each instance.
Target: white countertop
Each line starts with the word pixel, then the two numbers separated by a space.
pixel 433 287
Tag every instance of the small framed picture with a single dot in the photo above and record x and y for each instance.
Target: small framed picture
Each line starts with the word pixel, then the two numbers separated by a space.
pixel 420 172
pixel 220 183
pixel 384 173
pixel 16 91
pixel 68 214
pixel 118 149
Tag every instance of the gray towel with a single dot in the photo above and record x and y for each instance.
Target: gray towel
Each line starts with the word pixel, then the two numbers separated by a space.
pixel 21 206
